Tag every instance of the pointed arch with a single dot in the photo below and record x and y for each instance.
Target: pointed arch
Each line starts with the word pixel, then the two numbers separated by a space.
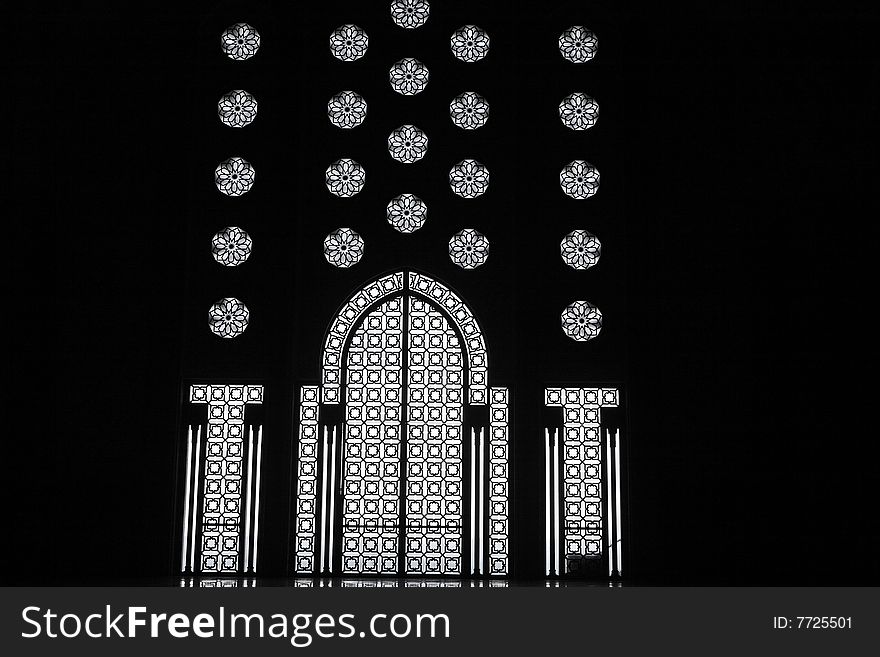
pixel 416 284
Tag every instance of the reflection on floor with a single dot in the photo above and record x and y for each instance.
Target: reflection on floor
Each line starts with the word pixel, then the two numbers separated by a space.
pixel 235 582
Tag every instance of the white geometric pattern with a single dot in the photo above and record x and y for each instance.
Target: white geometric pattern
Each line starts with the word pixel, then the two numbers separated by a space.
pixel 582 465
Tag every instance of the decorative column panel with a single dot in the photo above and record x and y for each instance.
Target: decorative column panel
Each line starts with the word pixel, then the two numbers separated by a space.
pixel 581 481
pixel 499 487
pixel 435 407
pixel 307 481
pixel 223 494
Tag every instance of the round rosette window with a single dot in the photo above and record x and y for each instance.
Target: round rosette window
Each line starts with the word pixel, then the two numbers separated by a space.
pixel 343 248
pixel 581 321
pixel 578 44
pixel 410 14
pixel 347 109
pixel 469 111
pixel 240 41
pixel 578 111
pixel 407 144
pixel 345 178
pixel 469 179
pixel 348 43
pixel 469 248
pixel 231 247
pixel 580 249
pixel 408 76
pixel 228 318
pixel 406 213
pixel 235 176
pixel 237 109
pixel 469 43
pixel 579 179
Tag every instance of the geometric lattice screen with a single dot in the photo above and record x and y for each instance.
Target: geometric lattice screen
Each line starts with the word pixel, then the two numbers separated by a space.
pixel 582 476
pixel 222 486
pixel 400 483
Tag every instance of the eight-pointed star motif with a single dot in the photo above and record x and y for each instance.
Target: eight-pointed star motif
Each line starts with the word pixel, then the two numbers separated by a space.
pixel 468 248
pixel 578 111
pixel 578 44
pixel 347 109
pixel 240 41
pixel 348 43
pixel 406 213
pixel 228 318
pixel 579 179
pixel 237 109
pixel 345 177
pixel 231 246
pixel 469 43
pixel 407 144
pixel 469 178
pixel 343 247
pixel 581 321
pixel 580 249
pixel 234 176
pixel 408 76
pixel 469 110
pixel 410 14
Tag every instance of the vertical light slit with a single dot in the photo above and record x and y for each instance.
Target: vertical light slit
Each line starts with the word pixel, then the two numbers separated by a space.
pixel 473 485
pixel 482 511
pixel 332 514
pixel 548 521
pixel 618 525
pixel 247 505
pixel 195 494
pixel 185 550
pixel 324 501
pixel 257 492
pixel 556 494
pixel 610 503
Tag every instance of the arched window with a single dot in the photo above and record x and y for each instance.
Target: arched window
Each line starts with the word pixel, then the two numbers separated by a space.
pixel 405 480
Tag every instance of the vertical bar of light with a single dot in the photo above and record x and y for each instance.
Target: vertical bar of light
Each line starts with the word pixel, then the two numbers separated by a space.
pixel 556 494
pixel 247 505
pixel 195 493
pixel 185 549
pixel 618 524
pixel 609 503
pixel 482 451
pixel 257 493
pixel 324 501
pixel 473 521
pixel 332 514
pixel 548 532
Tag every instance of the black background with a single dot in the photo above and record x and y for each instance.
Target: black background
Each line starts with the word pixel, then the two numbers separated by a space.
pixel 732 141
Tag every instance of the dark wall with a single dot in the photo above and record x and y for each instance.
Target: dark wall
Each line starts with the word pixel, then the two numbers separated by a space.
pixel 710 213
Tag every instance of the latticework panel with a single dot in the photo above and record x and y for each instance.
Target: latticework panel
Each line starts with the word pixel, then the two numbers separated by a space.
pixel 434 443
pixel 224 480
pixel 582 466
pixel 478 361
pixel 371 473
pixel 307 480
pixel 498 481
pixel 345 321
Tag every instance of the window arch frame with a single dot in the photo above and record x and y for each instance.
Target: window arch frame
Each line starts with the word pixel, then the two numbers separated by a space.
pixel 405 282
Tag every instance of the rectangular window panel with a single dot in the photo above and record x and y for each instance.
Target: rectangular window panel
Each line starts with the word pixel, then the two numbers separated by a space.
pixel 307 481
pixel 498 481
pixel 224 466
pixel 579 489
